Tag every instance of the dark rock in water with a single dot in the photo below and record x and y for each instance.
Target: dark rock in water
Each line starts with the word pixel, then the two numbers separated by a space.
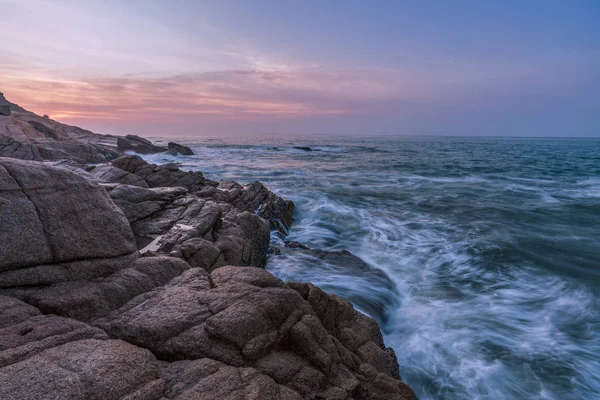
pixel 304 148
pixel 348 267
pixel 295 245
pixel 274 250
pixel 82 316
pixel 4 106
pixel 175 148
pixel 138 144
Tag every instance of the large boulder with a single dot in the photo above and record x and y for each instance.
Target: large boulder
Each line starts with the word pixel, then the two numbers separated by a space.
pixel 138 144
pixel 51 216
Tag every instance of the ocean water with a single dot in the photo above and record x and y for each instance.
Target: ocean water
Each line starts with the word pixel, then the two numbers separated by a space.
pixel 493 245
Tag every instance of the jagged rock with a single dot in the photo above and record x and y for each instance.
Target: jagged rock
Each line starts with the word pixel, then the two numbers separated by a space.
pixel 242 316
pixel 96 321
pixel 176 148
pixel 167 175
pixel 254 197
pixel 138 144
pixel 204 233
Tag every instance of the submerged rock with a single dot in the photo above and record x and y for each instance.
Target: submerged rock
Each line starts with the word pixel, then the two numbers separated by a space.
pixel 303 148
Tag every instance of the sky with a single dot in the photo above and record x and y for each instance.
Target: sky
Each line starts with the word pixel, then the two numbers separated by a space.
pixel 206 68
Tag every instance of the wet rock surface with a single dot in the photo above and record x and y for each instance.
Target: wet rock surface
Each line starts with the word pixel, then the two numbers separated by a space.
pixel 85 316
pixel 334 265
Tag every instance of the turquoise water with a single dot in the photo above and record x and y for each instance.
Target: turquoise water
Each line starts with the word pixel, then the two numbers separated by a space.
pixel 493 244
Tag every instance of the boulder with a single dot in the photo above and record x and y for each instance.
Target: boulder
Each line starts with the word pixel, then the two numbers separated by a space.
pixel 138 144
pixel 176 148
pixel 51 216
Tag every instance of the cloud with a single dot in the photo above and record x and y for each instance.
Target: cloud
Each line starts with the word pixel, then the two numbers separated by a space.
pixel 232 94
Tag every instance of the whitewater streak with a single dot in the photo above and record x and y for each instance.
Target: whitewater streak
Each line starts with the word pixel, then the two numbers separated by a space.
pixel 493 245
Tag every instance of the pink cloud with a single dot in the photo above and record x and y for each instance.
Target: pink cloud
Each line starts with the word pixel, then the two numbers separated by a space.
pixel 234 94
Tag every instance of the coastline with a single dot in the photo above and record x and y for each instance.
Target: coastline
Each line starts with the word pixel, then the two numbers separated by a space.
pixel 327 348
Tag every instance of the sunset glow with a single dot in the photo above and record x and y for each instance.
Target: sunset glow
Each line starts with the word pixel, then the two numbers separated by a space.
pixel 199 68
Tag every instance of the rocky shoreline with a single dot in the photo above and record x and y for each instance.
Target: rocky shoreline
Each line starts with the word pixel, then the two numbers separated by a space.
pixel 129 280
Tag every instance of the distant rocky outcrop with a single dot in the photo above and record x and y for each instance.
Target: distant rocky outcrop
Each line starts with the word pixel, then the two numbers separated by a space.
pixel 84 315
pixel 27 136
pixel 138 144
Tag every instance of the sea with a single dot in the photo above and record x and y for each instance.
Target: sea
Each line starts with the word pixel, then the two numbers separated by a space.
pixel 493 245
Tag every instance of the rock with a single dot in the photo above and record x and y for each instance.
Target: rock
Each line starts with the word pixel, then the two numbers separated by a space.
pixel 51 215
pixel 204 233
pixel 303 148
pixel 109 173
pixel 28 136
pixel 254 197
pixel 359 277
pixel 166 175
pixel 175 148
pixel 138 144
pixel 12 148
pixel 4 106
pixel 94 320
pixel 295 245
pixel 246 317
